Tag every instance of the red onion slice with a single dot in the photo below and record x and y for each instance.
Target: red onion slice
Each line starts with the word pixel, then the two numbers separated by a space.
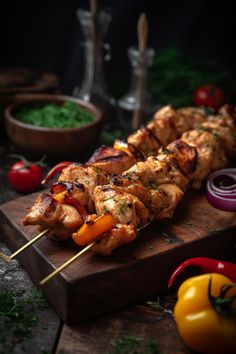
pixel 221 189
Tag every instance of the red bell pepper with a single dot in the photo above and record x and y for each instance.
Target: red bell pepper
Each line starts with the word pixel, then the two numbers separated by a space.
pixel 56 169
pixel 206 265
pixel 77 205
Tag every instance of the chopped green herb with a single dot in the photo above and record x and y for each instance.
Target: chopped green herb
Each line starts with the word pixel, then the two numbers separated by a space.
pixel 122 208
pixel 105 209
pixel 108 198
pixel 166 151
pixel 69 115
pixel 209 130
pixel 234 136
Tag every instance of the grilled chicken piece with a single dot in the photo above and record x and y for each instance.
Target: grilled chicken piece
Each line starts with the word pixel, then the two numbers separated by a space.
pixel 88 177
pixel 188 118
pixel 164 129
pixel 48 213
pixel 111 160
pixel 224 133
pixel 126 208
pixel 131 186
pixel 118 236
pixel 145 140
pixel 174 165
pixel 181 155
pixel 226 116
pixel 171 195
pixel 211 154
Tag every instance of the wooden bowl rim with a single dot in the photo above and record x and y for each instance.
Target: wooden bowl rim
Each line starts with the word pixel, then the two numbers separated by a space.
pixel 22 99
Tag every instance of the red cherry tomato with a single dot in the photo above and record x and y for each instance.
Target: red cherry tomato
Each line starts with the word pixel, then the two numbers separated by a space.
pixel 209 96
pixel 25 177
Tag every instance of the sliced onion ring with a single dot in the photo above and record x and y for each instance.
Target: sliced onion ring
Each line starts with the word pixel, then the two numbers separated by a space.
pixel 221 189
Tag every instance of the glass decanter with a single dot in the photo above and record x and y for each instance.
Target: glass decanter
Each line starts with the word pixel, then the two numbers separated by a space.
pixel 138 99
pixel 93 88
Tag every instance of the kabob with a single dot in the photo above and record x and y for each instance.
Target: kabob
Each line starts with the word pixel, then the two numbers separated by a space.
pixel 151 190
pixel 62 211
pixel 78 181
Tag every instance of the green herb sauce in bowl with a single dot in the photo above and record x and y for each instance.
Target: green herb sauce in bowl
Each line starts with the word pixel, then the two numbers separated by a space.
pixel 57 126
pixel 68 115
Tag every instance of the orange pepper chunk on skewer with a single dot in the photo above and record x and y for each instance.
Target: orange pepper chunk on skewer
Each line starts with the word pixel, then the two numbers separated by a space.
pixel 92 230
pixel 121 145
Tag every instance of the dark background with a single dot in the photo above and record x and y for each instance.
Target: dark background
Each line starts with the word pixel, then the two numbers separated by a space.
pixel 46 34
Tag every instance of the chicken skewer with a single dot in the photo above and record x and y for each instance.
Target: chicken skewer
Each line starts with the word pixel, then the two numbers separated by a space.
pixel 211 156
pixel 49 212
pixel 98 170
pixel 46 202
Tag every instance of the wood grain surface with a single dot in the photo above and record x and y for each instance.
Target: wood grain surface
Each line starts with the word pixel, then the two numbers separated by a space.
pixel 143 328
pixel 94 285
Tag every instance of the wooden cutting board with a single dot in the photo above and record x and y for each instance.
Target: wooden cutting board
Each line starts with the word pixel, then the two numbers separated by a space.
pixel 93 284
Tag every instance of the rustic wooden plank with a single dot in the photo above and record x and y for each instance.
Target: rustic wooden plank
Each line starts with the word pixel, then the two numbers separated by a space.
pixel 197 229
pixel 139 325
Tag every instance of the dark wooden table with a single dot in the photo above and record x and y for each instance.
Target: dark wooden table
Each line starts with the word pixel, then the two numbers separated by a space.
pixel 142 328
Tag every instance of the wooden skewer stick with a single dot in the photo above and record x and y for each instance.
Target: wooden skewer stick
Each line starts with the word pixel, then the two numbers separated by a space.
pixel 93 7
pixel 28 244
pixel 142 30
pixel 139 111
pixel 64 265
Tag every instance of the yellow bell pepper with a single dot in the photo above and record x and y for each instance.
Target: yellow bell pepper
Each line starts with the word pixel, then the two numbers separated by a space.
pixel 206 314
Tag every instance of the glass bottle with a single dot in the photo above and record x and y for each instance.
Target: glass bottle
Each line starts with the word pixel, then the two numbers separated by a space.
pixel 93 88
pixel 138 99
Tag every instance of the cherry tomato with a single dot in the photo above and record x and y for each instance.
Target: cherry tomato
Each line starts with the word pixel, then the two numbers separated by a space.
pixel 25 177
pixel 209 96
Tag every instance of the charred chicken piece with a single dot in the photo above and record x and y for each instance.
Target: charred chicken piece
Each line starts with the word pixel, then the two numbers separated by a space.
pixel 118 236
pixel 126 208
pixel 146 141
pixel 48 213
pixel 111 160
pixel 211 154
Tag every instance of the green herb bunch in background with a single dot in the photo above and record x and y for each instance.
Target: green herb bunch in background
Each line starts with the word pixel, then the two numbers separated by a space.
pixel 174 77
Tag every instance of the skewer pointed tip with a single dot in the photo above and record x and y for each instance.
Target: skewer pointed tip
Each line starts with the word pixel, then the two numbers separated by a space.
pixel 5 258
pixel 27 245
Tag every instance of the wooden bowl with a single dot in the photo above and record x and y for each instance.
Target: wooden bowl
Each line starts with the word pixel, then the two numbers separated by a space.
pixel 52 142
